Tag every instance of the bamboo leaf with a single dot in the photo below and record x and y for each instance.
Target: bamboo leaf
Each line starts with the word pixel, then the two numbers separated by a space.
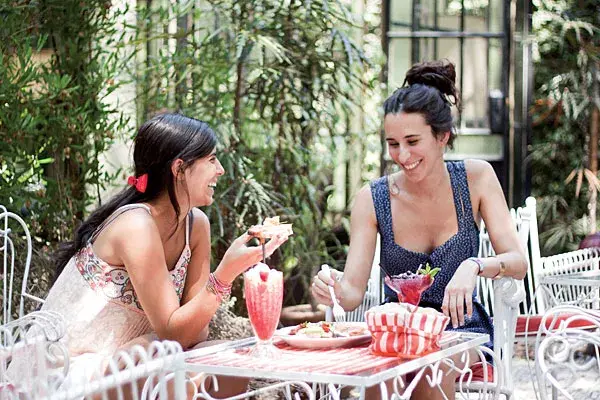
pixel 579 182
pixel 570 176
pixel 592 180
pixel 276 49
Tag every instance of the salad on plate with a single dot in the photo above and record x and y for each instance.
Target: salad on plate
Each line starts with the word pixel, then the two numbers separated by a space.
pixel 325 334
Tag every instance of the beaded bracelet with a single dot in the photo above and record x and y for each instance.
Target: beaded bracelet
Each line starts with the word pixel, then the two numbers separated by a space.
pixel 221 290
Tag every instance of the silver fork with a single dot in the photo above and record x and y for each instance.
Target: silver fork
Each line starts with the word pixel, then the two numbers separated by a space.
pixel 338 312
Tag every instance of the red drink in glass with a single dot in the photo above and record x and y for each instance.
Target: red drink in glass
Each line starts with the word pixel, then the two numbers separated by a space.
pixel 409 287
pixel 263 290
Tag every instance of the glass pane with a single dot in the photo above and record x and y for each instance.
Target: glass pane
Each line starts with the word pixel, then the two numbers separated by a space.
pixel 450 49
pixel 400 15
pixel 427 15
pixel 496 17
pixel 475 85
pixel 399 62
pixel 495 54
pixel 449 15
pixel 476 15
pixel 476 19
pixel 428 49
pixel 495 87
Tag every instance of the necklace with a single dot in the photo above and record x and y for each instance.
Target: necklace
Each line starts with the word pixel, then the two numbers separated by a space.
pixel 394 188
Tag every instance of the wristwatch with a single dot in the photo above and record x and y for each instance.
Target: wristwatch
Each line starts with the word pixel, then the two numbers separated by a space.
pixel 479 263
pixel 502 271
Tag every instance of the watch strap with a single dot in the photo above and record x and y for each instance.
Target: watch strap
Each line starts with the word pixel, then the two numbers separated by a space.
pixel 479 263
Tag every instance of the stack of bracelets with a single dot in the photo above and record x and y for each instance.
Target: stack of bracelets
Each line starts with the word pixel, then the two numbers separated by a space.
pixel 218 288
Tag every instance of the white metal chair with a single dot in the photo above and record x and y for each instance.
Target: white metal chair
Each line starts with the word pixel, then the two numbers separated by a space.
pixel 11 226
pixel 525 220
pixel 573 262
pixel 154 372
pixel 549 295
pixel 567 358
pixel 33 360
pixel 560 319
pixel 519 319
pixel 503 298
pixel 34 364
pixel 374 292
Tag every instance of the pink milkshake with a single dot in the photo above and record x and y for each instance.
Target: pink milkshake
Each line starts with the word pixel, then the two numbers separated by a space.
pixel 263 290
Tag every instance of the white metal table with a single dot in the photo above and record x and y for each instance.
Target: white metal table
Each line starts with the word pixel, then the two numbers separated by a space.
pixel 327 371
pixel 581 289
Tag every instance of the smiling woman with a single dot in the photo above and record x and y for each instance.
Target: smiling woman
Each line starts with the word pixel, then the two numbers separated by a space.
pixel 428 213
pixel 139 266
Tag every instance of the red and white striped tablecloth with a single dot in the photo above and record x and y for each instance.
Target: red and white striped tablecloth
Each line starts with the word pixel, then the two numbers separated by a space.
pixel 347 361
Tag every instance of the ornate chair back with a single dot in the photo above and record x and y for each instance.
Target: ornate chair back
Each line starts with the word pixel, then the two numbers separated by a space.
pixel 155 371
pixel 33 360
pixel 573 262
pixel 504 298
pixel 14 235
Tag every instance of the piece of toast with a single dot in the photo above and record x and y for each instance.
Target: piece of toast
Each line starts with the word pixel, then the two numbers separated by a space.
pixel 269 228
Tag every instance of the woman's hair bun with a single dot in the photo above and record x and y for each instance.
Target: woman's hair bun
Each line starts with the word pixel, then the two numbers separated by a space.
pixel 439 74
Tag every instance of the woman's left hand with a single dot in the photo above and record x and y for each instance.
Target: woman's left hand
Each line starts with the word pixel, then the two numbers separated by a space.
pixel 459 292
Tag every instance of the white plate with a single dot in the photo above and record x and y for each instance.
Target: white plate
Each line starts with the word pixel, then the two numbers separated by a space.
pixel 323 343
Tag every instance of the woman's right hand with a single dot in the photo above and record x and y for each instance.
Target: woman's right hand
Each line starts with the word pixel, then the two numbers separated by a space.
pixel 239 257
pixel 321 283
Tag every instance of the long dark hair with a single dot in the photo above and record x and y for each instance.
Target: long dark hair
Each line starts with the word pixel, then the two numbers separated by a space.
pixel 159 141
pixel 429 89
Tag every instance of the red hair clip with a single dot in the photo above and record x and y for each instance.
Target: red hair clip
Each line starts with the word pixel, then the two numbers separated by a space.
pixel 140 183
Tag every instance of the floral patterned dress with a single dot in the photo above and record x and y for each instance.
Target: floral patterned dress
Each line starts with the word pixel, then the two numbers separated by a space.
pixel 99 304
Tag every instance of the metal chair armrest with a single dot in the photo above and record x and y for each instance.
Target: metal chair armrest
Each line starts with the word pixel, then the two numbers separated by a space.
pixel 508 294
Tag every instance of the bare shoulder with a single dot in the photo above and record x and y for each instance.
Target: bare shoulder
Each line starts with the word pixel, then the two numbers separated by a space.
pixel 363 206
pixel 363 197
pixel 200 218
pixel 133 223
pixel 478 169
pixel 200 230
pixel 201 222
pixel 480 175
pixel 364 192
pixel 134 229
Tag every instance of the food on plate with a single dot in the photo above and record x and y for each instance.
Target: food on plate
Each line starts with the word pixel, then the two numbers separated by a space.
pixel 410 286
pixel 313 330
pixel 328 330
pixel 269 228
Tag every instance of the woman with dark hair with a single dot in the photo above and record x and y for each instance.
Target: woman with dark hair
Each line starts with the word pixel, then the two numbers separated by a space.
pixel 428 212
pixel 139 266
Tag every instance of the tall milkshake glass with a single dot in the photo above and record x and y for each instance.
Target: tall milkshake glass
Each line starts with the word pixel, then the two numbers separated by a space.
pixel 263 290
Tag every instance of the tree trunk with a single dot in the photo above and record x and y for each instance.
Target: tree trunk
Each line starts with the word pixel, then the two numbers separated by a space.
pixel 592 204
pixel 594 117
pixel 237 106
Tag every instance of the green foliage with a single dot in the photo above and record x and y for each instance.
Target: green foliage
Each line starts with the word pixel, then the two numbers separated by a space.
pixel 566 87
pixel 56 69
pixel 276 80
pixel 55 74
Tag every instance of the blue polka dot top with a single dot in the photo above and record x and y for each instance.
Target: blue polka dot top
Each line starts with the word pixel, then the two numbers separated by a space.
pixel 464 244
